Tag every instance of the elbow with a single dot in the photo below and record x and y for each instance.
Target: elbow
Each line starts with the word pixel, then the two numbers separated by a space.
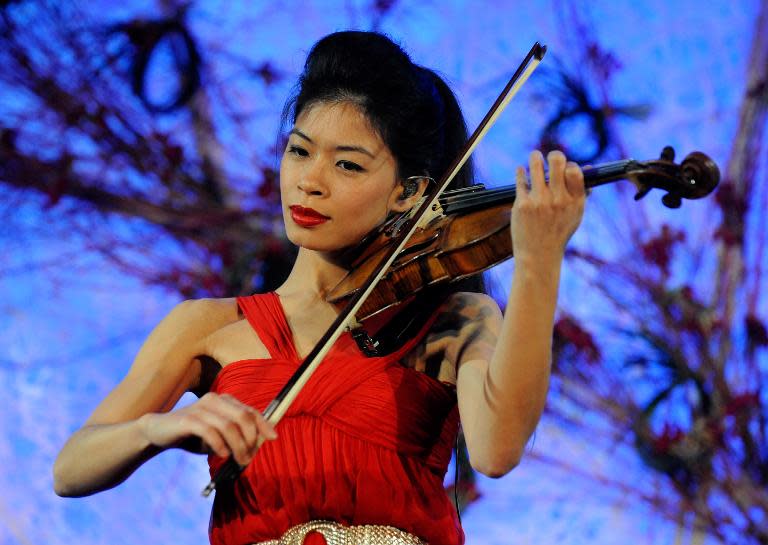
pixel 497 465
pixel 61 485
pixel 65 482
pixel 496 470
pixel 63 491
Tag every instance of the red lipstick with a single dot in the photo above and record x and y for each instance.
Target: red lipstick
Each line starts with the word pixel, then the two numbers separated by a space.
pixel 306 217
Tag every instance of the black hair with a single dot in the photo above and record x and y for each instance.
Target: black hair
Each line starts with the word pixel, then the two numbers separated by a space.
pixel 410 107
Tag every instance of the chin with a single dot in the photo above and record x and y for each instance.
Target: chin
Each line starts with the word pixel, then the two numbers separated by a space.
pixel 317 242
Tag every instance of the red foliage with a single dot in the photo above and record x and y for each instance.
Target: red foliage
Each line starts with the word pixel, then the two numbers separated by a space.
pixel 56 191
pixel 669 436
pixel 223 249
pixel 757 334
pixel 604 62
pixel 273 246
pixel 729 236
pixel 214 284
pixel 729 201
pixel 734 207
pixel 59 186
pixel 268 74
pixel 383 6
pixel 658 250
pixel 742 402
pixel 570 331
pixel 269 188
pixel 173 153
pixel 549 142
pixel 694 316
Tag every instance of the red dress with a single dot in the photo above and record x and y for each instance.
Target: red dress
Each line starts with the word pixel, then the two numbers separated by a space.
pixel 367 441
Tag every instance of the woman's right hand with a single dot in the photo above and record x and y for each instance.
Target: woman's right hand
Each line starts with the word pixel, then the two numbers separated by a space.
pixel 215 424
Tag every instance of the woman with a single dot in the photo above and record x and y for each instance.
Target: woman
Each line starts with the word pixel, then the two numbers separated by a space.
pixel 367 442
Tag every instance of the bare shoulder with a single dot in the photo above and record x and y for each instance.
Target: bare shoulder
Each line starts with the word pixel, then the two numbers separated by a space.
pixel 167 363
pixel 189 323
pixel 181 336
pixel 205 312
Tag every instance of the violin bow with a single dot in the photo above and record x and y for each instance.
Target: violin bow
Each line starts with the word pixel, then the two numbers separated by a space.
pixel 346 318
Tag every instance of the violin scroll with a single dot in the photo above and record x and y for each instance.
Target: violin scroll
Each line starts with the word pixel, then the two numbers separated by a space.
pixel 694 178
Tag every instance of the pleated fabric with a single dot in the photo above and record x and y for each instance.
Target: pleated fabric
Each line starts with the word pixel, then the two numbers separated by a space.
pixel 367 441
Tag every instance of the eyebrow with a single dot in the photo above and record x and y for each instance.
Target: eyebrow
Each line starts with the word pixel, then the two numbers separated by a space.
pixel 358 149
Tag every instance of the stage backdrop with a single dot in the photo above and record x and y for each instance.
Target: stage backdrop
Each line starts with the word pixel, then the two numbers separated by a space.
pixel 73 319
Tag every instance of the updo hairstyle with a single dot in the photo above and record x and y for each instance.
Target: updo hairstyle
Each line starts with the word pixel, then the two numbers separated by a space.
pixel 410 107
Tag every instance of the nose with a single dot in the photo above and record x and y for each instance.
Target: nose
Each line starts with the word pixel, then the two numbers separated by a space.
pixel 312 180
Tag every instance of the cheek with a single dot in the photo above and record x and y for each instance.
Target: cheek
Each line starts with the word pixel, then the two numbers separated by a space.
pixel 283 177
pixel 372 206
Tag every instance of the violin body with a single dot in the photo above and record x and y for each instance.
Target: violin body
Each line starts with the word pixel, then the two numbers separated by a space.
pixel 448 249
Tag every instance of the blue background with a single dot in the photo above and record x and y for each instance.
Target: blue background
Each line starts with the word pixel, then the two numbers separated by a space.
pixel 70 323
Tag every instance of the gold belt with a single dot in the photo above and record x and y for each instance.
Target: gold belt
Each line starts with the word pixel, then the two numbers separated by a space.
pixel 337 534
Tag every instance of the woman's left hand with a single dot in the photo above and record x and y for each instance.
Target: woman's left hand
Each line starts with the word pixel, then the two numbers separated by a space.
pixel 545 215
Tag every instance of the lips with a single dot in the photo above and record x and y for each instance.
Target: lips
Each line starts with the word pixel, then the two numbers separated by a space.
pixel 307 217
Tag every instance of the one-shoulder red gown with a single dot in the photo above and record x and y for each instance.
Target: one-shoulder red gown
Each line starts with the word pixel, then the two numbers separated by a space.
pixel 367 441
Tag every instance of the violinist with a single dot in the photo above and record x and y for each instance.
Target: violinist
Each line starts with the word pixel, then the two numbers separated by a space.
pixel 361 454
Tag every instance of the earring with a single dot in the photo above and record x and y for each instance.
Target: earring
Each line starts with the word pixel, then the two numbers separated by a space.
pixel 411 185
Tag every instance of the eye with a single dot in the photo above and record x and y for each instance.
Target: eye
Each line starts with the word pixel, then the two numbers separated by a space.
pixel 296 150
pixel 349 165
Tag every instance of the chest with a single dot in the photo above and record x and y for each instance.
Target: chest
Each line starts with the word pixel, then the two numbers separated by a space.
pixel 239 341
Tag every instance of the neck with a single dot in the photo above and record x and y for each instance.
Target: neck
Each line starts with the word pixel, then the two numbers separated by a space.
pixel 313 276
pixel 473 198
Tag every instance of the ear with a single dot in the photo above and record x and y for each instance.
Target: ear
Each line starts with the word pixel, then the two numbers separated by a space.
pixel 408 192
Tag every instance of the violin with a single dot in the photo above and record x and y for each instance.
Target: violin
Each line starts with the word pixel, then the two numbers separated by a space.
pixel 467 231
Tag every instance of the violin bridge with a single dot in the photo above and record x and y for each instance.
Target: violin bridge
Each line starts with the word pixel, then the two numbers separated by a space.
pixel 435 211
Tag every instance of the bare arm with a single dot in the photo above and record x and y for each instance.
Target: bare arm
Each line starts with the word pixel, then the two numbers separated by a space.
pixel 504 365
pixel 132 423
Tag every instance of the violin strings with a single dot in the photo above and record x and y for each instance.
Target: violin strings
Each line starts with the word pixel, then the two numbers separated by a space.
pixel 464 200
pixel 478 199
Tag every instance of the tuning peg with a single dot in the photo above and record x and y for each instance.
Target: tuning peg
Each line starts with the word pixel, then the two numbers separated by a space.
pixel 668 154
pixel 671 200
pixel 642 193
